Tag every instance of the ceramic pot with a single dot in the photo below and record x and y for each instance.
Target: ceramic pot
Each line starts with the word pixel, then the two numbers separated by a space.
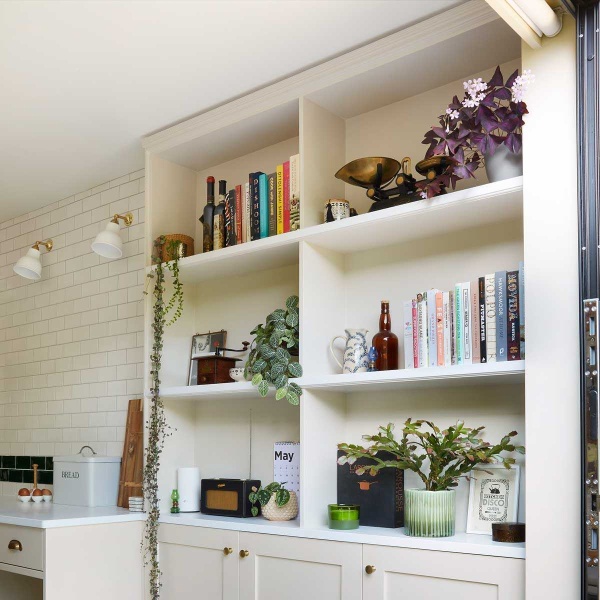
pixel 356 353
pixel 289 511
pixel 237 374
pixel 340 209
pixel 504 164
pixel 429 514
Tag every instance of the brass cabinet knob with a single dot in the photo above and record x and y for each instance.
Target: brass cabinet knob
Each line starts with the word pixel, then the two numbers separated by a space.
pixel 370 569
pixel 244 553
pixel 15 545
pixel 227 551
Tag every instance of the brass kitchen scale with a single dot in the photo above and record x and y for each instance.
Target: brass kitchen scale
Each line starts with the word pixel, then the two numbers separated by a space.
pixel 389 182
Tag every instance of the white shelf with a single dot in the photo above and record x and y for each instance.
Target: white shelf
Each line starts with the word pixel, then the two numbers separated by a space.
pixel 474 207
pixel 462 543
pixel 458 375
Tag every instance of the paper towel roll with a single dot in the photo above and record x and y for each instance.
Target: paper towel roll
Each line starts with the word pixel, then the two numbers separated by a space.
pixel 188 484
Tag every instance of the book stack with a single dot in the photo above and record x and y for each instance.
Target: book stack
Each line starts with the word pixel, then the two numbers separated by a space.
pixel 265 205
pixel 479 321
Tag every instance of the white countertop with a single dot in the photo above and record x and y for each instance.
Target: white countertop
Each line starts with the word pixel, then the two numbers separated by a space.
pixel 47 514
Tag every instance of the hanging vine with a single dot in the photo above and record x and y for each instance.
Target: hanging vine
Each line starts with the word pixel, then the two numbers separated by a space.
pixel 158 428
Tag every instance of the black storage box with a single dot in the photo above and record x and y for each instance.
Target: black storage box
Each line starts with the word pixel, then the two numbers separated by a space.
pixel 381 498
pixel 227 497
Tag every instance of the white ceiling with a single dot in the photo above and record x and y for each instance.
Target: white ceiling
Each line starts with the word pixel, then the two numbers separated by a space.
pixel 82 82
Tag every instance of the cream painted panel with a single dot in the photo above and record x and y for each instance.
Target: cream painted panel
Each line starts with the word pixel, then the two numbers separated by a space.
pixel 32 541
pixel 94 562
pixel 20 587
pixel 296 569
pixel 193 563
pixel 403 573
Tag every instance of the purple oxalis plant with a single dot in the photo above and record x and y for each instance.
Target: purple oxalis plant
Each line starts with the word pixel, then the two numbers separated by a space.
pixel 489 115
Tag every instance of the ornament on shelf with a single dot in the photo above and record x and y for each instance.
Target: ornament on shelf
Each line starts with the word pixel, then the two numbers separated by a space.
pixel 373 354
pixel 175 500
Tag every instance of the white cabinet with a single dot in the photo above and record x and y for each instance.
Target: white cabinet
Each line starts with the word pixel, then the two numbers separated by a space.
pixel 298 569
pixel 198 562
pixel 392 573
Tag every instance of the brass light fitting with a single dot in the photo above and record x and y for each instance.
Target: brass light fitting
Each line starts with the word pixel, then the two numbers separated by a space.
pixel 48 244
pixel 127 219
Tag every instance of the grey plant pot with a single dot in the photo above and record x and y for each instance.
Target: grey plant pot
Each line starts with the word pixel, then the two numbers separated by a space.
pixel 504 164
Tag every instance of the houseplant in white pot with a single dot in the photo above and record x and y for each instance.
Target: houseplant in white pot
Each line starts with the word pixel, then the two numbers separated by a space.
pixel 450 454
pixel 487 123
pixel 276 503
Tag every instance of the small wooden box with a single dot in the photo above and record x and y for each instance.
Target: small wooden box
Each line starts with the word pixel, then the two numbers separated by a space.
pixel 214 369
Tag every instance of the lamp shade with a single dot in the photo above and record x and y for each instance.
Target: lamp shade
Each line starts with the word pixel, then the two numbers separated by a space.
pixel 108 243
pixel 29 266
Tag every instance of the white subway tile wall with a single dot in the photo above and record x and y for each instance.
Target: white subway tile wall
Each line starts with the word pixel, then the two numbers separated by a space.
pixel 71 344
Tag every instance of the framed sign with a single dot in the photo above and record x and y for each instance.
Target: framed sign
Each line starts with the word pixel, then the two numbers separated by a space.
pixel 493 497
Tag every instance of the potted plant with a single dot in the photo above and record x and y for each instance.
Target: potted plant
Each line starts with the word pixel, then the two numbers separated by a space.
pixel 486 123
pixel 270 361
pixel 276 503
pixel 450 453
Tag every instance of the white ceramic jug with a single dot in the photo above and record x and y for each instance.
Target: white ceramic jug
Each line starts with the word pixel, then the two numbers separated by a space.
pixel 356 358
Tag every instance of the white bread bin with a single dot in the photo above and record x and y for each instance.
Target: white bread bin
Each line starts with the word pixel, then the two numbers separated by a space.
pixel 86 479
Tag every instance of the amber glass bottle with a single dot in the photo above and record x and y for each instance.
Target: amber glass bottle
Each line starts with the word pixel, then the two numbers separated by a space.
pixel 386 342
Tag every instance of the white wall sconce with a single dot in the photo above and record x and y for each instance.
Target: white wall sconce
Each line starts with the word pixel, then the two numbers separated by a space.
pixel 108 243
pixel 30 266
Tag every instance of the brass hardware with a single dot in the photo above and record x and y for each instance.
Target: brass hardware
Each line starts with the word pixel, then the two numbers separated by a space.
pixel 48 244
pixel 370 569
pixel 371 171
pixel 434 166
pixel 15 545
pixel 126 218
pixel 244 553
pixel 227 551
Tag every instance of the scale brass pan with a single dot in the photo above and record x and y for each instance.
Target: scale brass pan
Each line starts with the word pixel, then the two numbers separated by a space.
pixel 434 166
pixel 371 171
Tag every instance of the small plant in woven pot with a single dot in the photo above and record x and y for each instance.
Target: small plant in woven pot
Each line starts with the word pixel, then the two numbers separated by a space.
pixel 270 362
pixel 275 502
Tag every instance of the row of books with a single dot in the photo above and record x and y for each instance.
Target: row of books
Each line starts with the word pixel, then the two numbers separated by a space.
pixel 267 205
pixel 478 321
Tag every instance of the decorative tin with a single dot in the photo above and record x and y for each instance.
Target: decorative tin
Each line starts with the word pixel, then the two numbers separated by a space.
pixel 510 533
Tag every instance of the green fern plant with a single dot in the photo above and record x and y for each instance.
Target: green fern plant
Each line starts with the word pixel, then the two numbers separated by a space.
pixel 270 360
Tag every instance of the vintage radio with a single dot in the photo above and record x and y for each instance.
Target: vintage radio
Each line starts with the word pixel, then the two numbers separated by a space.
pixel 227 497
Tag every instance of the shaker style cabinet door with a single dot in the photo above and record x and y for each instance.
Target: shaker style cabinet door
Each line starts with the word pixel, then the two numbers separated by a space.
pixel 393 573
pixel 278 567
pixel 198 563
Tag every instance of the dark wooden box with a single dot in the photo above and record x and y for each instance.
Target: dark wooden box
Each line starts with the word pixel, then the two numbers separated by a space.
pixel 381 498
pixel 214 369
pixel 227 497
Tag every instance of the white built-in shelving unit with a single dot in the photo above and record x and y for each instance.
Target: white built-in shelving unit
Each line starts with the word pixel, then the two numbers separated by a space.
pixel 374 101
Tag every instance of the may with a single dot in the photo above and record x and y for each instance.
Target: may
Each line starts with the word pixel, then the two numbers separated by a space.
pixel 287 456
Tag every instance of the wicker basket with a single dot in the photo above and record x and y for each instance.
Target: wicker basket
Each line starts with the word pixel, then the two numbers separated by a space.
pixel 272 512
pixel 166 246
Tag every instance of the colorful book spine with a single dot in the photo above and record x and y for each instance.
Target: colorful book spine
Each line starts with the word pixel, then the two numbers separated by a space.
pixel 475 330
pixel 513 315
pixel 230 219
pixel 295 192
pixel 286 196
pixel 465 290
pixel 482 324
pixel 422 332
pixel 254 207
pixel 452 303
pixel 239 215
pixel 431 327
pixel 415 339
pixel 263 194
pixel 501 333
pixel 279 172
pixel 490 317
pixel 439 323
pixel 272 193
pixel 409 361
pixel 246 234
pixel 447 316
pixel 522 308
pixel 458 324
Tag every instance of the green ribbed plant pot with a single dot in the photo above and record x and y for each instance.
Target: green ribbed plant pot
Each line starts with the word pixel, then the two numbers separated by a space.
pixel 429 514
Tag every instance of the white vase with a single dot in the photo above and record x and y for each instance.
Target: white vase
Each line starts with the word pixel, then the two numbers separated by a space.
pixel 287 512
pixel 503 164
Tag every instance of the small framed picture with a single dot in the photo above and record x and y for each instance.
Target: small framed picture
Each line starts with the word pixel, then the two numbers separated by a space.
pixel 204 344
pixel 493 497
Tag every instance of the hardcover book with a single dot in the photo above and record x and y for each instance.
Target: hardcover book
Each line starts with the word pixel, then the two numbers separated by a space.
pixel 422 331
pixel 431 327
pixel 501 334
pixel 272 184
pixel 239 215
pixel 230 219
pixel 490 317
pixel 279 172
pixel 447 316
pixel 380 497
pixel 458 324
pixel 465 289
pixel 513 320
pixel 408 336
pixel 482 324
pixel 439 322
pixel 415 335
pixel 254 207
pixel 246 234
pixel 264 205
pixel 522 307
pixel 286 196
pixel 295 192
pixel 452 303
pixel 475 331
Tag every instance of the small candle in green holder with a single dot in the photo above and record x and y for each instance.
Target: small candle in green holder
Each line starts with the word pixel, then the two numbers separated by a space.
pixel 343 516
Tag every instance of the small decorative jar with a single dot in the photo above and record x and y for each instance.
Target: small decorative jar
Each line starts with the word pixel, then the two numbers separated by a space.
pixel 429 514
pixel 336 209
pixel 344 516
pixel 272 512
